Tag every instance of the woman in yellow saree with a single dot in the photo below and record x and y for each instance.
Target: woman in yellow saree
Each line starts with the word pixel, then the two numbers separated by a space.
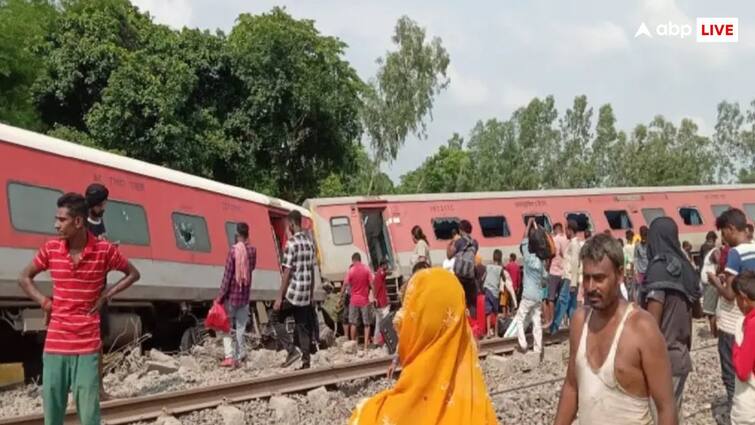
pixel 441 381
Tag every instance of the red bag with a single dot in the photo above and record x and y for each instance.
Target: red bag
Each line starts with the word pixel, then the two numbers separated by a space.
pixel 217 319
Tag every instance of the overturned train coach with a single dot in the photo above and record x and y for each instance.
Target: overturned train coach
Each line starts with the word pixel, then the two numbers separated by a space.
pixel 379 228
pixel 176 228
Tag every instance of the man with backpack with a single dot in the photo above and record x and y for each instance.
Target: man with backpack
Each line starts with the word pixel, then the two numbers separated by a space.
pixel 463 252
pixel 532 294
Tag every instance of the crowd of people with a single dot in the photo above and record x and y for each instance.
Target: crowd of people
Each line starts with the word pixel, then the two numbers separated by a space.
pixel 629 305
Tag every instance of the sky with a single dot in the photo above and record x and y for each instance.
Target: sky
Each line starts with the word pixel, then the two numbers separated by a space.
pixel 504 53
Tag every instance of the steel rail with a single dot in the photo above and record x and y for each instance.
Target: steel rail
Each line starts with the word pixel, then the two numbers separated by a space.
pixel 180 402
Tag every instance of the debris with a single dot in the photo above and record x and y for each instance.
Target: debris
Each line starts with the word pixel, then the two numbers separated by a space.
pixel 286 409
pixel 163 368
pixel 189 363
pixel 349 347
pixel 231 415
pixel 319 398
pixel 159 356
pixel 167 420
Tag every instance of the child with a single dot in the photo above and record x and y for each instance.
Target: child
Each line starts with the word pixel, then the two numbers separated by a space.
pixel 743 352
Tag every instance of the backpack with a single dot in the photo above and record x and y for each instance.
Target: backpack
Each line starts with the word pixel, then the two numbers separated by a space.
pixel 464 260
pixel 542 244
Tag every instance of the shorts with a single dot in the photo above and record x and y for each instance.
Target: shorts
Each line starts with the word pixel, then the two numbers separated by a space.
pixel 710 300
pixel 554 287
pixel 361 315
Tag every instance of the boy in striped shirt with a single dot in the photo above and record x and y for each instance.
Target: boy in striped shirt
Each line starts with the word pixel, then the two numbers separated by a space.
pixel 78 264
pixel 740 258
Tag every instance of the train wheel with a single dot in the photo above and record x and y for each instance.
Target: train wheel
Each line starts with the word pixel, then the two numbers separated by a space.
pixel 192 336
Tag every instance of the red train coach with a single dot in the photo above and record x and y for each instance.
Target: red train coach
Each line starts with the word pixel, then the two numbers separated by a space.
pixel 380 227
pixel 175 227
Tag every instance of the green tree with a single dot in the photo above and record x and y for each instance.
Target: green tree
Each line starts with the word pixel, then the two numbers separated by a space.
pixel 85 45
pixel 572 167
pixel 398 99
pixel 605 159
pixel 448 170
pixel 537 143
pixel 23 24
pixel 299 107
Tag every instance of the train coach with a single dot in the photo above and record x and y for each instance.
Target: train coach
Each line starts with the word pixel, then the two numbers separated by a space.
pixel 175 227
pixel 380 227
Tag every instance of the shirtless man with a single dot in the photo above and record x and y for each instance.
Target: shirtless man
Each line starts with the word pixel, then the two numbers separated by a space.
pixel 618 361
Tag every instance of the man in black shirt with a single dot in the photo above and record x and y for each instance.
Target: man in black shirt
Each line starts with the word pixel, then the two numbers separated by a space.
pixel 96 196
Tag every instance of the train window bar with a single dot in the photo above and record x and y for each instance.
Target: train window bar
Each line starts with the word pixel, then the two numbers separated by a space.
pixel 719 209
pixel 340 229
pixel 650 214
pixel 618 219
pixel 691 216
pixel 494 226
pixel 444 227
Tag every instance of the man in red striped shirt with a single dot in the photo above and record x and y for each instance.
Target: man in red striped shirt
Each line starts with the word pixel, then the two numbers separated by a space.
pixel 78 264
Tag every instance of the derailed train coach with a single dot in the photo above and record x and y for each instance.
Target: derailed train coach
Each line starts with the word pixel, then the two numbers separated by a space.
pixel 379 227
pixel 175 227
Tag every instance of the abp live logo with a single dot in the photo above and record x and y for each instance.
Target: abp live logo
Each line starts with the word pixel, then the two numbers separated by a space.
pixel 707 30
pixel 717 30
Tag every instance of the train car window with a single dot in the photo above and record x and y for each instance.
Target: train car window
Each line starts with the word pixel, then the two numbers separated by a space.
pixel 582 219
pixel 750 211
pixel 494 227
pixel 32 208
pixel 542 220
pixel 691 216
pixel 230 232
pixel 191 232
pixel 651 214
pixel 719 209
pixel 340 228
pixel 618 219
pixel 444 227
pixel 126 223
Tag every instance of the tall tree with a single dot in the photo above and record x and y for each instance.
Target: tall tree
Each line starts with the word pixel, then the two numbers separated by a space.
pixel 538 141
pixel 23 24
pixel 402 94
pixel 89 41
pixel 299 110
pixel 572 167
pixel 606 145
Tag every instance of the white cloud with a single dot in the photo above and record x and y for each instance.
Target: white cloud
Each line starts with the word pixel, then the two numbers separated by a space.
pixel 468 91
pixel 597 39
pixel 174 13
pixel 514 96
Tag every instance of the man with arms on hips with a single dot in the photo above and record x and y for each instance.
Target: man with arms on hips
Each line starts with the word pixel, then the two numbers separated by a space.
pixel 78 264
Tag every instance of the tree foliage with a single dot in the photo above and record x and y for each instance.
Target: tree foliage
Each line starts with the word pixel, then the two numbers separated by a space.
pixel 23 24
pixel 274 106
pixel 401 96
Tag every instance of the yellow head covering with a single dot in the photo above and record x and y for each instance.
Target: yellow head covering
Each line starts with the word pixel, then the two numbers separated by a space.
pixel 477 259
pixel 441 381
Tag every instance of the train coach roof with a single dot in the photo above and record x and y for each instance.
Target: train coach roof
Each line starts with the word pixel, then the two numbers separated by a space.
pixel 430 197
pixel 41 142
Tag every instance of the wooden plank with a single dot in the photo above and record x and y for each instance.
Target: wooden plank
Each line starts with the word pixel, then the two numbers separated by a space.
pixel 11 374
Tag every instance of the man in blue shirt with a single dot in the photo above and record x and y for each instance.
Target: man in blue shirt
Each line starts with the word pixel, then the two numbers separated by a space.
pixel 532 294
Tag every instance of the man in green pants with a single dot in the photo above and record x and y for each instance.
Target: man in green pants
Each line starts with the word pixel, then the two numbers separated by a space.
pixel 78 264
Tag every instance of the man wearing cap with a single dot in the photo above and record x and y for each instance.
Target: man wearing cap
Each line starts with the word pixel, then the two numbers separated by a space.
pixel 96 196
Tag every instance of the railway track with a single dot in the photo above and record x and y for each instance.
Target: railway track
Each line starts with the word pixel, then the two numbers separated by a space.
pixel 181 402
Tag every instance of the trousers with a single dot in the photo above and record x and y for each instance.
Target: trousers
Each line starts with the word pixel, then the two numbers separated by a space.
pixel 78 374
pixel 239 317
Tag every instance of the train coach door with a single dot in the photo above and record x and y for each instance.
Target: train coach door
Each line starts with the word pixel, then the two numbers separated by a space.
pixel 376 237
pixel 278 224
